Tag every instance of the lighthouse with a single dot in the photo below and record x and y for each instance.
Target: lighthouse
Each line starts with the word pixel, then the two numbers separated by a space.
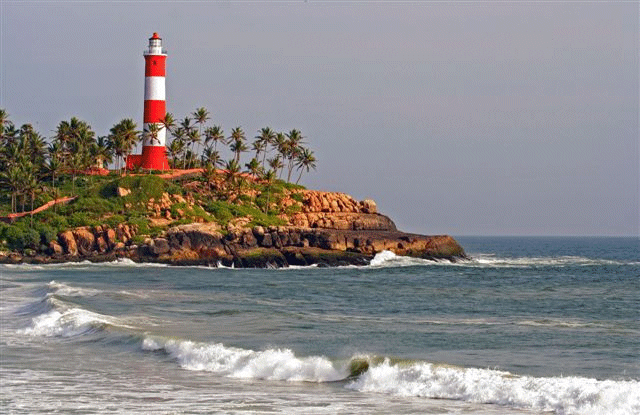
pixel 154 153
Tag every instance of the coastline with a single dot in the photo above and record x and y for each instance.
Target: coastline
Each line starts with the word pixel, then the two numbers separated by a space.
pixel 257 247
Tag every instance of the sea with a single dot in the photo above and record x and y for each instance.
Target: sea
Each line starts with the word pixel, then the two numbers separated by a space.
pixel 527 325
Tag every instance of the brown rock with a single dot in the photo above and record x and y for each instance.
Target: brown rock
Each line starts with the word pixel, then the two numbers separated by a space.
pixel 110 236
pixel 369 206
pixel 85 240
pixel 55 248
pixel 101 244
pixel 160 246
pixel 122 192
pixel 68 242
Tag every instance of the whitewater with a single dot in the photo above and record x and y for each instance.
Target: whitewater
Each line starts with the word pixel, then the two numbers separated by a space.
pixel 527 326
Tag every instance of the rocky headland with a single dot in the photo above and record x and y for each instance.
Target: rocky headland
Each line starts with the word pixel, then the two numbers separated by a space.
pixel 324 228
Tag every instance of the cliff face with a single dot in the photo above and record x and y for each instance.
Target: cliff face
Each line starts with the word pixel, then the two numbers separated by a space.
pixel 328 228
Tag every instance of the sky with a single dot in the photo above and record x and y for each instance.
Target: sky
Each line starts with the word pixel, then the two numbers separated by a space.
pixel 460 118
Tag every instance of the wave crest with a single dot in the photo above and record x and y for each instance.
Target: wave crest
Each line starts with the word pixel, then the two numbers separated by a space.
pixel 270 364
pixel 570 395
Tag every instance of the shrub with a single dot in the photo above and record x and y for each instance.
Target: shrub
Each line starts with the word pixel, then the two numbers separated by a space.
pixel 95 206
pixel 20 238
pixel 220 210
pixel 77 219
pixel 47 233
pixel 115 220
pixel 56 221
pixel 141 223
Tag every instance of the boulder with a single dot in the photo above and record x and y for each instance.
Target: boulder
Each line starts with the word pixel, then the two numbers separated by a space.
pixel 160 246
pixel 122 191
pixel 55 248
pixel 68 242
pixel 368 206
pixel 101 244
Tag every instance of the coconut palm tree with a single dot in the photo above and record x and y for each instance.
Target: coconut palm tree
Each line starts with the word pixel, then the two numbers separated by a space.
pixel 12 179
pixel 254 167
pixel 211 156
pixel 168 121
pixel 265 137
pixel 238 143
pixel 269 177
pixel 194 138
pixel 175 149
pixel 201 115
pixel 122 138
pixel 292 149
pixel 4 119
pixel 152 131
pixel 209 173
pixel 231 171
pixel 215 134
pixel 276 164
pixel 101 152
pixel 305 160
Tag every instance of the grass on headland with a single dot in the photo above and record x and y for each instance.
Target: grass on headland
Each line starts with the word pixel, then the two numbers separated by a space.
pixel 98 203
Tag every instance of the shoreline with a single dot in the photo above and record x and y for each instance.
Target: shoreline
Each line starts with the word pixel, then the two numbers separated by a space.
pixel 257 247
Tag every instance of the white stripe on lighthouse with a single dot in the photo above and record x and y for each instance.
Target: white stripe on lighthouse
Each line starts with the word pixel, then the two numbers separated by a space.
pixel 160 140
pixel 154 88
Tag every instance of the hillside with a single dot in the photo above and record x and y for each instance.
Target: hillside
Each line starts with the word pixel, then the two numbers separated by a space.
pixel 210 218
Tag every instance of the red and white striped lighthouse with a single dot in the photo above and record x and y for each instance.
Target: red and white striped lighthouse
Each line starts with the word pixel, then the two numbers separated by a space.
pixel 154 153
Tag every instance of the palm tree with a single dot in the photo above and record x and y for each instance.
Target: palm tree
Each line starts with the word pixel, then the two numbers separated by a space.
pixel 33 144
pixel 254 167
pixel 168 122
pixel 275 164
pixel 269 177
pixel 211 156
pixel 12 179
pixel 266 137
pixel 215 134
pixel 53 167
pixel 292 148
pixel 4 119
pixel 305 160
pixel 31 186
pixel 201 116
pixel 194 138
pixel 238 146
pixel 122 138
pixel 175 149
pixel 232 171
pixel 152 131
pixel 209 173
pixel 101 152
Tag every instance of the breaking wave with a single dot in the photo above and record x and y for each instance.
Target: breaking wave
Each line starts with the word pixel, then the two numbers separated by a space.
pixel 271 364
pixel 562 395
pixel 389 259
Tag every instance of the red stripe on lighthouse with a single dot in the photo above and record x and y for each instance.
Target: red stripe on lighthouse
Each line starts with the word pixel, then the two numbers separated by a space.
pixel 154 111
pixel 154 65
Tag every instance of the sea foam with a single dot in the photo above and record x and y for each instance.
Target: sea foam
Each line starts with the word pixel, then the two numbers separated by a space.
pixel 562 395
pixel 270 364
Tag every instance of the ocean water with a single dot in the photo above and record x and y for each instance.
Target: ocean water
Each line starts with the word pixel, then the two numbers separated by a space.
pixel 528 326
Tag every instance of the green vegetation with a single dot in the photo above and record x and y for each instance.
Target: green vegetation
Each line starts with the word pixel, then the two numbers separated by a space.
pixel 73 163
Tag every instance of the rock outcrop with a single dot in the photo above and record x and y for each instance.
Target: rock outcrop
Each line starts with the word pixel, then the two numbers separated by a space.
pixel 326 228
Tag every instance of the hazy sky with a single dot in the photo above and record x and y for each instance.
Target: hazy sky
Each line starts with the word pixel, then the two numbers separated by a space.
pixel 466 118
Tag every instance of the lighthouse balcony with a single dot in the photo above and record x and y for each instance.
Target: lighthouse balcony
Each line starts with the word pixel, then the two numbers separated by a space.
pixel 155 51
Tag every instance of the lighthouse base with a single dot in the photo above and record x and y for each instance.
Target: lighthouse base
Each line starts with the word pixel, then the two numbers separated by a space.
pixel 152 158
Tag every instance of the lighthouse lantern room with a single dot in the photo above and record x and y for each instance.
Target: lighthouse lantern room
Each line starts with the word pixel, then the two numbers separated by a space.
pixel 154 153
